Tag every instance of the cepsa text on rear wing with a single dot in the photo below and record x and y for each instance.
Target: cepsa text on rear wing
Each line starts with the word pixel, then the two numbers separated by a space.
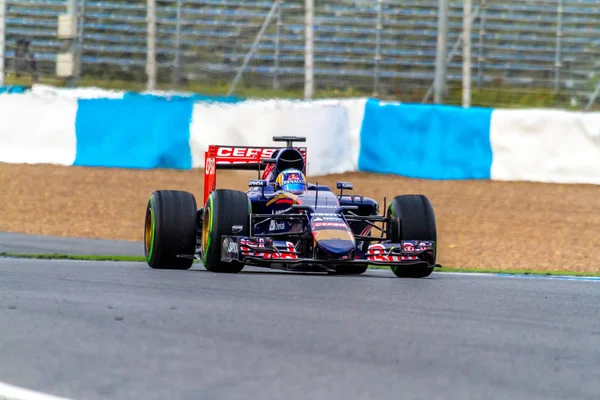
pixel 249 158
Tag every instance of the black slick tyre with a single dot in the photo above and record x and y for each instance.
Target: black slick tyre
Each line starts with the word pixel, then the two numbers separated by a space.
pixel 224 209
pixel 416 221
pixel 170 229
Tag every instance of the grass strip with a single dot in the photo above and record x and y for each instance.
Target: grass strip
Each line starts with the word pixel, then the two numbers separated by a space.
pixel 443 269
pixel 495 96
pixel 75 257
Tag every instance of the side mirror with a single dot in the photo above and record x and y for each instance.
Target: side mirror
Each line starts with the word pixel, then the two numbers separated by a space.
pixel 257 183
pixel 344 186
pixel 261 183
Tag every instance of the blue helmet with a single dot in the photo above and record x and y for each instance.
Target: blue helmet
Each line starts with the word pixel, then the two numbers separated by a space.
pixel 291 180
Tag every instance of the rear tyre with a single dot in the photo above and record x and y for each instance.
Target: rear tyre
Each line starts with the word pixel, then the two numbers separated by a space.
pixel 224 209
pixel 415 221
pixel 170 229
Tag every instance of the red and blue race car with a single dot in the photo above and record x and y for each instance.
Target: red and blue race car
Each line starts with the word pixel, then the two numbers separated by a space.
pixel 284 222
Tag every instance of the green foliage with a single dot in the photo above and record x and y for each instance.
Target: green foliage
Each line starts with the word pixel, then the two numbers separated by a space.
pixel 501 96
pixel 511 97
pixel 74 257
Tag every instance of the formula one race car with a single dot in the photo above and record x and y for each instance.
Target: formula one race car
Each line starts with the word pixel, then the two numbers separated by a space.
pixel 282 222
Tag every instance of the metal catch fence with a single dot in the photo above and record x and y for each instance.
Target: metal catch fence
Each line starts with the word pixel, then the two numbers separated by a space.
pixel 522 52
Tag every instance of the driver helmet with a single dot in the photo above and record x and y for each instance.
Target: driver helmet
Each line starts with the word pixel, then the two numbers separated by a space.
pixel 291 180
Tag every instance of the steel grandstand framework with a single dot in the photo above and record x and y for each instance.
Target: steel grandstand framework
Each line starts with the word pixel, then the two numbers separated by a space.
pixel 386 48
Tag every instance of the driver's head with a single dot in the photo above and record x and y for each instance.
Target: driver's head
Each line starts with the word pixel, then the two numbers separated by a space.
pixel 291 180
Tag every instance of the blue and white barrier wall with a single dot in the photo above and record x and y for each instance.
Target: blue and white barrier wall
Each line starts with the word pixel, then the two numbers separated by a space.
pixel 445 142
pixel 114 129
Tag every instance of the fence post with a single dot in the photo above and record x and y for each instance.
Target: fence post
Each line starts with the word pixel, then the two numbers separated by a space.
pixel 379 28
pixel 74 44
pixel 277 43
pixel 441 66
pixel 177 60
pixel 466 84
pixel 557 58
pixel 2 39
pixel 453 52
pixel 482 33
pixel 309 84
pixel 151 69
pixel 81 20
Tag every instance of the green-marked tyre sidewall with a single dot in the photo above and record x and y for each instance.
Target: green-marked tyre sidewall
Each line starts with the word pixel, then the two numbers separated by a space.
pixel 149 250
pixel 207 219
pixel 170 229
pixel 224 209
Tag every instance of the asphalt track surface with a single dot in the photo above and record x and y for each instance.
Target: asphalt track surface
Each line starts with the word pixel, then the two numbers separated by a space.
pixel 87 330
pixel 18 243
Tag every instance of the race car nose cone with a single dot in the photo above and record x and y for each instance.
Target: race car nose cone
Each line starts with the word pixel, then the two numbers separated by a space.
pixel 336 247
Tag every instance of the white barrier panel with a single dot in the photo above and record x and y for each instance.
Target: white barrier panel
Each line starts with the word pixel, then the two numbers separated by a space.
pixel 326 128
pixel 77 93
pixel 37 129
pixel 355 109
pixel 545 146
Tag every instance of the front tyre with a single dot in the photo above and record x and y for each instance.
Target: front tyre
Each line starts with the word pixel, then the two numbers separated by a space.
pixel 224 209
pixel 170 229
pixel 416 221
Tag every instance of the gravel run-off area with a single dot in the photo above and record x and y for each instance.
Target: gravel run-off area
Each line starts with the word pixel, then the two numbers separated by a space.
pixel 481 224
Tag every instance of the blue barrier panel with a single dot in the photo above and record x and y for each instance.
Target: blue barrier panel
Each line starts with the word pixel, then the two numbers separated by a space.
pixel 137 132
pixel 13 89
pixel 192 96
pixel 426 141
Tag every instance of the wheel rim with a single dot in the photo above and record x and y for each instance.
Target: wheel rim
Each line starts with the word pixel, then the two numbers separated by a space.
pixel 149 233
pixel 206 227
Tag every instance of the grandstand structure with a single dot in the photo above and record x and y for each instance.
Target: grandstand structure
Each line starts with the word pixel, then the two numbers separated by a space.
pixel 361 47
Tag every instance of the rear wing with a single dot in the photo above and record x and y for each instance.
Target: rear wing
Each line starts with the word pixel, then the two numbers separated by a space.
pixel 243 158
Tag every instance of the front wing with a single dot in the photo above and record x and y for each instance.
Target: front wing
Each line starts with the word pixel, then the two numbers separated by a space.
pixel 266 251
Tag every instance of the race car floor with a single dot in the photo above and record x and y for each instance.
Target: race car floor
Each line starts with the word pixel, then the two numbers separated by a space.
pixel 486 224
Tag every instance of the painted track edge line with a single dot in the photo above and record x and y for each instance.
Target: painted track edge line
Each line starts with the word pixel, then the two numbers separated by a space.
pixel 11 392
pixel 507 275
pixel 526 276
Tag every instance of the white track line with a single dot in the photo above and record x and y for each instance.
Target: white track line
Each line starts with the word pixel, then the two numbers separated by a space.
pixel 502 275
pixel 10 392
